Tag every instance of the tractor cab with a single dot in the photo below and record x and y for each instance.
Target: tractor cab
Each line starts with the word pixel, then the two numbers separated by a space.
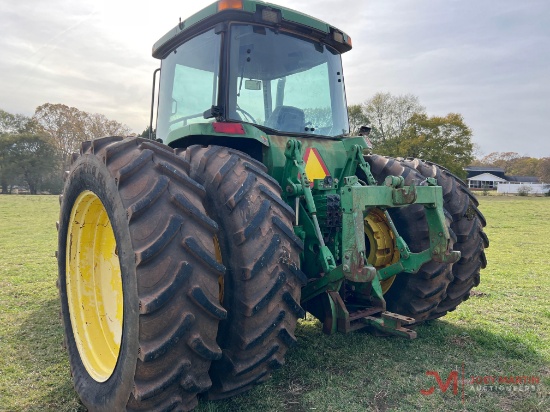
pixel 252 63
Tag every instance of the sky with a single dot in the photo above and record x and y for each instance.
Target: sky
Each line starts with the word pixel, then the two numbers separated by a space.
pixel 488 60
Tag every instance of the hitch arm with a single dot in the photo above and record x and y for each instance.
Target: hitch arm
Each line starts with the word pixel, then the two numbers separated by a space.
pixel 298 184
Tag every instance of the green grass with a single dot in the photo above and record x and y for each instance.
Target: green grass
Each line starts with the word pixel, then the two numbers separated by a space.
pixel 504 329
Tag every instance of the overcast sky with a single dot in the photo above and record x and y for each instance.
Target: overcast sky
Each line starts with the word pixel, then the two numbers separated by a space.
pixel 486 59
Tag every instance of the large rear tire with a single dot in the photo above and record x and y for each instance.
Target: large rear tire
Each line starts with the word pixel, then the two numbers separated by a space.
pixel 467 223
pixel 415 295
pixel 262 285
pixel 138 279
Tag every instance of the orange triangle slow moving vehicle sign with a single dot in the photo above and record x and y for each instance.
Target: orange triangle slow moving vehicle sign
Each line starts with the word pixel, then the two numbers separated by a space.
pixel 315 166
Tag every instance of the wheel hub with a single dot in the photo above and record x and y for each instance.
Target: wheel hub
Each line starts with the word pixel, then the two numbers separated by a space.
pixel 381 246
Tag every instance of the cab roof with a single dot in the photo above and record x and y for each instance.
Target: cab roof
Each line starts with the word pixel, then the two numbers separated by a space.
pixel 223 11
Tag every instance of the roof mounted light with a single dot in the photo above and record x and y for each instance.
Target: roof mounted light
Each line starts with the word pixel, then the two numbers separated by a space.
pixel 341 37
pixel 271 16
pixel 338 36
pixel 230 4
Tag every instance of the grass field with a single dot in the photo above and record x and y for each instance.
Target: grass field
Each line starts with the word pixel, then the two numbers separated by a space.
pixel 503 330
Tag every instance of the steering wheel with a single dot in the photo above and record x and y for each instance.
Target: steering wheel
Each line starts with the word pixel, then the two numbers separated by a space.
pixel 247 115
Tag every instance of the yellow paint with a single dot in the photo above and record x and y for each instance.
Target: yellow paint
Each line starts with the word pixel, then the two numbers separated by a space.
pixel 314 166
pixel 94 286
pixel 383 250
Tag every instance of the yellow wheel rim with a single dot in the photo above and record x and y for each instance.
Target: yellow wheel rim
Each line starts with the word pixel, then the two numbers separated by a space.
pixel 94 286
pixel 383 249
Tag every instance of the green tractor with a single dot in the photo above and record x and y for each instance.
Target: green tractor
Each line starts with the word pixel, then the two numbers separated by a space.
pixel 186 260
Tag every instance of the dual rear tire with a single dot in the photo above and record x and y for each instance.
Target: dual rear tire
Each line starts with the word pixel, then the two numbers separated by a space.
pixel 142 277
pixel 438 287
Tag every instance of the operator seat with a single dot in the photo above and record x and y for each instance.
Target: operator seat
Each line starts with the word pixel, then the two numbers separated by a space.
pixel 287 119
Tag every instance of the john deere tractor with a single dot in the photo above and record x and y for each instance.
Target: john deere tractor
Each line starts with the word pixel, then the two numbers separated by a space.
pixel 186 260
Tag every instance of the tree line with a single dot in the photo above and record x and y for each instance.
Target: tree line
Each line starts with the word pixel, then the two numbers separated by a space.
pixel 35 151
pixel 515 164
pixel 400 127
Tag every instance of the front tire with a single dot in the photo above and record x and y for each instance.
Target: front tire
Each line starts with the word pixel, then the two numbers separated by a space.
pixel 136 251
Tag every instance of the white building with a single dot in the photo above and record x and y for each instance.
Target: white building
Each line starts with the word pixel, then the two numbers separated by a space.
pixel 482 177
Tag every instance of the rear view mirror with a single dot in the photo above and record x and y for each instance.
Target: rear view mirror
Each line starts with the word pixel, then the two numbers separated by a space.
pixel 253 85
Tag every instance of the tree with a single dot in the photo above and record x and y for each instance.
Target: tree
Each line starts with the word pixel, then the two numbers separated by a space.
pixel 97 125
pixel 8 173
pixel 544 170
pixel 11 124
pixel 500 159
pixel 17 123
pixel 390 115
pixel 401 128
pixel 524 166
pixel 477 152
pixel 64 125
pixel 67 127
pixel 446 141
pixel 515 164
pixel 357 118
pixel 30 158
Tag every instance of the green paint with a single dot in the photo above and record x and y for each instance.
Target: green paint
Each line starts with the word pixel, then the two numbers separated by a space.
pixel 249 7
pixel 184 25
pixel 206 130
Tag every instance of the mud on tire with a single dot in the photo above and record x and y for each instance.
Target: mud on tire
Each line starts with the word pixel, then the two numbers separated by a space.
pixel 263 281
pixel 164 243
